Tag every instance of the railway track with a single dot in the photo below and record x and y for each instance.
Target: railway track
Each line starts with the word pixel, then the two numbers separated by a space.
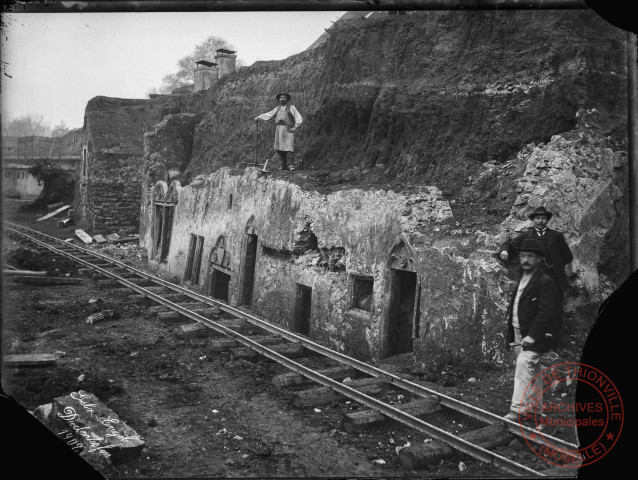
pixel 200 308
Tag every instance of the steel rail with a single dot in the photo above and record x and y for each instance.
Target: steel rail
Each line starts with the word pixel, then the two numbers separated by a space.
pixel 515 428
pixel 398 415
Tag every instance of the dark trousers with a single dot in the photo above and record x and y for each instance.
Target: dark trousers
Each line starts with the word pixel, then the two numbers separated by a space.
pixel 283 156
pixel 558 330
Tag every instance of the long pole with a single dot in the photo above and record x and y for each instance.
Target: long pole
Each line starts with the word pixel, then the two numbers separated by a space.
pixel 256 139
pixel 632 106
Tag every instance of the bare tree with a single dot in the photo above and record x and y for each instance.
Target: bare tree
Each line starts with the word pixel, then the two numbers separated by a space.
pixel 186 65
pixel 60 129
pixel 25 126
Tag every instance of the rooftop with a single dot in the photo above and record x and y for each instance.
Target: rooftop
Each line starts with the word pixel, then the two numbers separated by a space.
pixel 206 63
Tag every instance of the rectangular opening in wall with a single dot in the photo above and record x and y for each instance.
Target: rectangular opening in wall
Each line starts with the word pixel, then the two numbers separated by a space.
pixel 197 260
pixel 361 296
pixel 167 231
pixel 191 256
pixel 218 284
pixel 158 226
pixel 402 311
pixel 248 276
pixel 303 308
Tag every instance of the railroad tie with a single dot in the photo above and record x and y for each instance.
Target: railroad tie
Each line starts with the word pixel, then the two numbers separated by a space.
pixel 419 456
pixel 288 350
pixel 357 422
pixel 326 395
pixel 197 329
pixel 293 378
pixel 165 308
pixel 225 344
pixel 206 311
pixel 137 297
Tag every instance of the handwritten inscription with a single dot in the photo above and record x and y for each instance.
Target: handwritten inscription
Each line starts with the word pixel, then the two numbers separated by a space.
pixel 91 439
pixel 111 432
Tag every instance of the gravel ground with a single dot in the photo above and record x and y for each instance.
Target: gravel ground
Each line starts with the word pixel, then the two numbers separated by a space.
pixel 200 415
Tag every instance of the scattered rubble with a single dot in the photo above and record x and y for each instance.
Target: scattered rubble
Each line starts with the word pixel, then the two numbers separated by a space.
pixel 98 317
pixel 82 235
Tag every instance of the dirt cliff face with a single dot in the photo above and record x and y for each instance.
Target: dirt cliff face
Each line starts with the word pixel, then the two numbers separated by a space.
pixel 423 98
pixel 500 111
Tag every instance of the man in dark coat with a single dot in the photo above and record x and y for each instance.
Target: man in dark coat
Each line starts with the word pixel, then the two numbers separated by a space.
pixel 530 318
pixel 556 254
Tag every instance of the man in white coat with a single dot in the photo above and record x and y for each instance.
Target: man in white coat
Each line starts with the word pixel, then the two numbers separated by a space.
pixel 287 121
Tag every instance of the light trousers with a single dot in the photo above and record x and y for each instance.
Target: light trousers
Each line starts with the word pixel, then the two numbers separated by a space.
pixel 527 399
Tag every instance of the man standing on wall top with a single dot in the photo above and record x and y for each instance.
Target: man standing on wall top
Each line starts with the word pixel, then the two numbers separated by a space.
pixel 530 317
pixel 287 121
pixel 556 254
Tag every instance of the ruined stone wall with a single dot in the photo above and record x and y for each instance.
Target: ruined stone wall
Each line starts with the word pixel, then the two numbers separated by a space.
pixel 167 152
pixel 115 193
pixel 108 192
pixel 355 232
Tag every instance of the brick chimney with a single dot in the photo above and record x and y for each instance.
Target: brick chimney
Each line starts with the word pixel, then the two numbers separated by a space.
pixel 206 75
pixel 226 60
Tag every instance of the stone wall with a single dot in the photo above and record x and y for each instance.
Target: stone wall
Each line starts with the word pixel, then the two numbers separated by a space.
pixel 113 194
pixel 353 232
pixel 581 176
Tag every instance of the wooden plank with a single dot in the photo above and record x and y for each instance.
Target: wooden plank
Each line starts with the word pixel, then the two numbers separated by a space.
pixel 194 330
pixel 289 350
pixel 294 378
pixel 206 312
pixel 356 422
pixel 54 206
pixel 122 240
pixel 489 437
pixel 225 344
pixel 30 360
pixel 326 395
pixel 30 280
pixel 164 308
pixel 54 213
pixel 26 273
pixel 82 235
pixel 420 456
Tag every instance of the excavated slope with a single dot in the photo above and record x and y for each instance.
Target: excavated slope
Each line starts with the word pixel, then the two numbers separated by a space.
pixel 424 98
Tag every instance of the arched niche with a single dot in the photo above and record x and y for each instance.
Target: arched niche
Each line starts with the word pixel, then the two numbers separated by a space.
pixel 158 193
pixel 402 256
pixel 173 192
pixel 250 227
pixel 219 255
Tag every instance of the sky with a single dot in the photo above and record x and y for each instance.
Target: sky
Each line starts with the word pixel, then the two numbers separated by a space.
pixel 57 62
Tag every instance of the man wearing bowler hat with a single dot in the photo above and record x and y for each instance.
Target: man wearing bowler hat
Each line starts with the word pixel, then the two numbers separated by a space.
pixel 287 121
pixel 530 318
pixel 556 254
